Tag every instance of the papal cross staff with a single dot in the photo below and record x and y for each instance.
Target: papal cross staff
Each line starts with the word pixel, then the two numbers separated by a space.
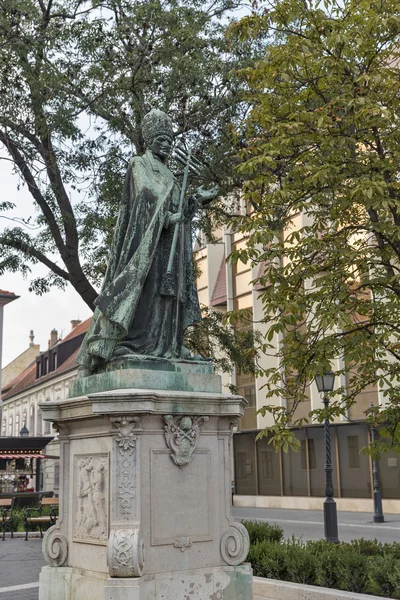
pixel 192 165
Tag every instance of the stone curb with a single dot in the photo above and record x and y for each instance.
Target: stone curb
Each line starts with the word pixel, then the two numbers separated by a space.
pixel 273 589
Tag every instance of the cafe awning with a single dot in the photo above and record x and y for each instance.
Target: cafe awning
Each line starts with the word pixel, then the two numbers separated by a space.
pixel 21 455
pixel 24 447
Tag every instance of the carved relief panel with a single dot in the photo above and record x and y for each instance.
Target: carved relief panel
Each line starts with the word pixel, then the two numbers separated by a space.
pixel 91 485
pixel 126 459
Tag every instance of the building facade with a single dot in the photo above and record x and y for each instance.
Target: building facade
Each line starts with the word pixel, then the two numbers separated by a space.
pixel 47 378
pixel 264 477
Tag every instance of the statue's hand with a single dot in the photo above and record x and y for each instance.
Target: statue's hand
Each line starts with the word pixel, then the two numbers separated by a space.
pixel 205 196
pixel 175 218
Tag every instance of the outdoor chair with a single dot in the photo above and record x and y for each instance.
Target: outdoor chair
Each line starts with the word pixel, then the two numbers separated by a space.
pixel 41 520
pixel 6 514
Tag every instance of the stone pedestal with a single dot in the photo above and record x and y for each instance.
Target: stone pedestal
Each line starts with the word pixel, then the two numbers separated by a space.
pixel 146 494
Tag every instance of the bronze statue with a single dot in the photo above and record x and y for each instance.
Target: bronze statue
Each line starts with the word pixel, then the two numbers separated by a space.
pixel 149 294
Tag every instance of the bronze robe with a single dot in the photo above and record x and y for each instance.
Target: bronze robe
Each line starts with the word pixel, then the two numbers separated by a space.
pixel 132 314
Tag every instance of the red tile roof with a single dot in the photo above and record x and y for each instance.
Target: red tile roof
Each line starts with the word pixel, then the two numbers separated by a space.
pixel 4 293
pixel 219 293
pixel 27 378
pixel 81 328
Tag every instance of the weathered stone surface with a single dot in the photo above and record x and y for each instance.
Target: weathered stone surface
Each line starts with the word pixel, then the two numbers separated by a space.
pixel 141 504
pixel 187 376
pixel 273 589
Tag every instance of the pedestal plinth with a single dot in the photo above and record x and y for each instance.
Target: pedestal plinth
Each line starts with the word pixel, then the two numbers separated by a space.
pixel 145 498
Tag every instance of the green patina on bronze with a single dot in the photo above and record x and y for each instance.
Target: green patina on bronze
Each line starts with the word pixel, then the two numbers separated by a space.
pixel 135 313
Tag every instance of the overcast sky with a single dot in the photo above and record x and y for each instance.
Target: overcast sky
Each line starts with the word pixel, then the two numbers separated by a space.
pixel 54 310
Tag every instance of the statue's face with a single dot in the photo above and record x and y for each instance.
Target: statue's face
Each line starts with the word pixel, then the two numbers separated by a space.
pixel 161 147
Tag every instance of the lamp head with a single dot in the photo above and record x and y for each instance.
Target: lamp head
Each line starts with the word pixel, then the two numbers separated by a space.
pixel 326 382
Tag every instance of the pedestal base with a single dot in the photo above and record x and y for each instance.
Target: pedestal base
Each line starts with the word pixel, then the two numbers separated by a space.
pixel 217 583
pixel 145 495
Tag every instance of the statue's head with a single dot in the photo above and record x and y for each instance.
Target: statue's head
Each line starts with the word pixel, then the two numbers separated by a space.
pixel 157 133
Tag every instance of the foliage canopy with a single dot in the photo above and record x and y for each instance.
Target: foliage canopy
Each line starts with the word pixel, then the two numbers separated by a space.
pixel 76 78
pixel 321 163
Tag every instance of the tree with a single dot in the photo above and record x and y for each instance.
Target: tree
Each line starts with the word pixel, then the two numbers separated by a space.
pixel 75 77
pixel 322 140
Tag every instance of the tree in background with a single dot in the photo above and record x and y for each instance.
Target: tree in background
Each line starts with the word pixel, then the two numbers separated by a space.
pixel 322 140
pixel 75 77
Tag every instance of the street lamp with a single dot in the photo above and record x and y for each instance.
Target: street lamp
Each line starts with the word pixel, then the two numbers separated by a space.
pixel 378 513
pixel 24 432
pixel 325 384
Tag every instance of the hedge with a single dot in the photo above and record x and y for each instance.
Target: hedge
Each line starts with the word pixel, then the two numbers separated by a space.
pixel 361 566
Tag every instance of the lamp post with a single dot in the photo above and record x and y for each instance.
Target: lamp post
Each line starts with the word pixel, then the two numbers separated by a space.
pixel 378 513
pixel 325 384
pixel 24 431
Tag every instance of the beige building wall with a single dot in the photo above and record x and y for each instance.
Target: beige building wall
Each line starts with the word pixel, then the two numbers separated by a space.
pixel 19 364
pixel 240 294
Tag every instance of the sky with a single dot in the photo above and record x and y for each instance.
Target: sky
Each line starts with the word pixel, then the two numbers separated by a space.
pixel 54 310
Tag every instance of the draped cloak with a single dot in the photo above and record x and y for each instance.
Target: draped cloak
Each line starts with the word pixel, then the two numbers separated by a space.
pixel 132 314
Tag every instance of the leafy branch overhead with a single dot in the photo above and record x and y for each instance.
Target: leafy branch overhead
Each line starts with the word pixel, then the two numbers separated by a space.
pixel 76 79
pixel 321 164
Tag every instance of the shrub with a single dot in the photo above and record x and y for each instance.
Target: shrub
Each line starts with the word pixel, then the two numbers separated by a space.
pixel 259 531
pixel 361 566
pixel 300 563
pixel 272 561
pixel 385 576
pixel 353 571
pixel 367 547
pixel 327 571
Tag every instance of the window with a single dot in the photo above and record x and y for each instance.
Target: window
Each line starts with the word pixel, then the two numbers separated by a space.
pixel 304 455
pixel 10 426
pixel 354 456
pixel 4 427
pixel 312 461
pixel 267 464
pixel 32 420
pixel 39 422
pixel 245 382
pixel 17 425
pixel 241 472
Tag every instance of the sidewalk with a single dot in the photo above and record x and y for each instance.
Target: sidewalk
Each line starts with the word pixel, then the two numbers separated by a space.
pixel 20 564
pixel 309 524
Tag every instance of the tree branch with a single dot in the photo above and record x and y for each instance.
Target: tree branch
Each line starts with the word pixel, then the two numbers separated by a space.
pixel 31 251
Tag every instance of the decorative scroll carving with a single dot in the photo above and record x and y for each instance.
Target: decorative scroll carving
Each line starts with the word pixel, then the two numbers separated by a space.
pixel 92 493
pixel 182 543
pixel 125 553
pixel 126 457
pixel 54 547
pixel 235 544
pixel 181 434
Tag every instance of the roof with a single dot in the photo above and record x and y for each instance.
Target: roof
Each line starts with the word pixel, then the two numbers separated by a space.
pixel 31 446
pixel 27 378
pixel 219 293
pixel 6 297
pixel 81 328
